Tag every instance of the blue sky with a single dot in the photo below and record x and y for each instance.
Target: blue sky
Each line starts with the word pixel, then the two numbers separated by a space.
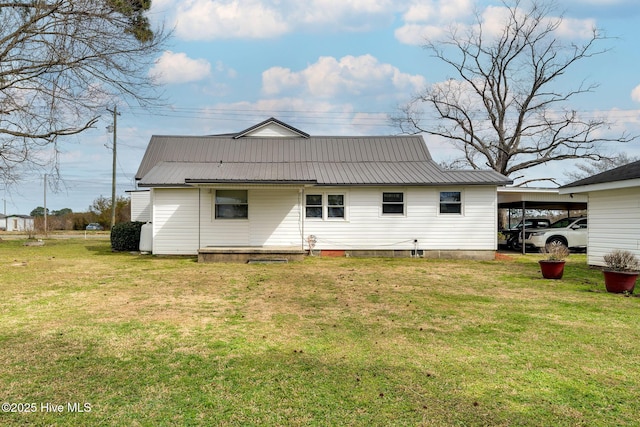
pixel 327 67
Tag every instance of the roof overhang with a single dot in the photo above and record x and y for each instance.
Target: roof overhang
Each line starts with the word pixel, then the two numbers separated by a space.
pixel 603 186
pixel 208 182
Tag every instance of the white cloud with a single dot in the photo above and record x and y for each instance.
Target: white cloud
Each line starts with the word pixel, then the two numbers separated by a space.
pixel 350 76
pixel 494 18
pixel 420 12
pixel 179 68
pixel 454 9
pixel 259 19
pixel 429 20
pixel 635 94
pixel 414 34
pixel 345 15
pixel 576 28
pixel 208 19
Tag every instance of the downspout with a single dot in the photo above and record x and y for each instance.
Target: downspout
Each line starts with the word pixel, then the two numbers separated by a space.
pixel 524 227
pixel 199 217
pixel 301 215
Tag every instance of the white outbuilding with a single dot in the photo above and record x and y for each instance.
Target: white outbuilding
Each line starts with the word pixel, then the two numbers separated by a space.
pixel 614 210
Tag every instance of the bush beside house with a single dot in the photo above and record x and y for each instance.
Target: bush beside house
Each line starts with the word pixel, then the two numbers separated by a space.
pixel 125 236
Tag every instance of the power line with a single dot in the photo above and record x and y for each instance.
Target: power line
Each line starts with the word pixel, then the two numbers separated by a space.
pixel 310 116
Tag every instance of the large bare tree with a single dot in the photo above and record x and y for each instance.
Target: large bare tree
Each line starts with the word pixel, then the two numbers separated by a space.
pixel 505 107
pixel 62 62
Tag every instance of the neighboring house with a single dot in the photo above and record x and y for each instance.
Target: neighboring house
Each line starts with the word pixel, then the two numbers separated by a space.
pixel 3 222
pixel 275 186
pixel 614 210
pixel 19 223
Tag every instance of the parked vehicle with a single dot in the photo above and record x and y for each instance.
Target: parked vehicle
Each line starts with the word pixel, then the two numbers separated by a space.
pixel 94 226
pixel 568 232
pixel 513 235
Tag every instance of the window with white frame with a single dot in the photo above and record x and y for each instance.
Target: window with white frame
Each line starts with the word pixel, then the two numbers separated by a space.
pixel 231 204
pixel 393 203
pixel 313 206
pixel 335 205
pixel 451 202
pixel 325 206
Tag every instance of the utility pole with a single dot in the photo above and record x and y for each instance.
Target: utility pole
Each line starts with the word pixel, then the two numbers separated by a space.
pixel 45 205
pixel 113 172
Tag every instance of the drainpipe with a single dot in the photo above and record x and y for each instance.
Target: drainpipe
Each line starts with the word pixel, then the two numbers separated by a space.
pixel 524 228
pixel 301 215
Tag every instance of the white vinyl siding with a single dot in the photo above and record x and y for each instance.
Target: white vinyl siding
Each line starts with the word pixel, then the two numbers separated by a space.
pixel 141 206
pixel 274 220
pixel 175 221
pixel 614 223
pixel 368 228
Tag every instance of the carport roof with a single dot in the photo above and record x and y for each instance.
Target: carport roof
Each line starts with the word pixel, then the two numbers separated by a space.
pixel 539 198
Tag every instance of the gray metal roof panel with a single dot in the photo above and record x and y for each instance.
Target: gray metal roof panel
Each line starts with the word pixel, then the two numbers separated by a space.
pixel 314 149
pixel 334 160
pixel 321 173
pixel 621 173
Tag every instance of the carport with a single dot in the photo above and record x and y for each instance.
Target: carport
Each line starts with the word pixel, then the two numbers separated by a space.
pixel 523 198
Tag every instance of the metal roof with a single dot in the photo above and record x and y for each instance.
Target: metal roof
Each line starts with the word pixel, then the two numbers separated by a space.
pixel 324 173
pixel 321 160
pixel 622 173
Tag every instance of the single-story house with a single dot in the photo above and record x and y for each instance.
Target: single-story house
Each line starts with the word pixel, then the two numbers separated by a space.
pixel 3 222
pixel 273 185
pixel 19 223
pixel 614 210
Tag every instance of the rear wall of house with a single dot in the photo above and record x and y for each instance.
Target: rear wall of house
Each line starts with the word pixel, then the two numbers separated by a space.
pixel 367 227
pixel 277 218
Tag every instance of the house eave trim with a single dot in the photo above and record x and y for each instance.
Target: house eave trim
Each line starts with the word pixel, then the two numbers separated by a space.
pixel 603 186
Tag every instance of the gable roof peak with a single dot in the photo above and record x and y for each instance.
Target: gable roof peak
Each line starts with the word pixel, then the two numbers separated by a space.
pixel 273 128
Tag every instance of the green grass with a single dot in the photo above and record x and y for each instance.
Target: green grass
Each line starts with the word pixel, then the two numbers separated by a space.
pixel 155 341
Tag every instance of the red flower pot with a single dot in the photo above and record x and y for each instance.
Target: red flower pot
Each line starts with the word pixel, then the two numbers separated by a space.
pixel 618 282
pixel 551 269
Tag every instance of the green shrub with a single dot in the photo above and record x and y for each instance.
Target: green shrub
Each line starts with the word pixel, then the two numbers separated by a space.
pixel 125 236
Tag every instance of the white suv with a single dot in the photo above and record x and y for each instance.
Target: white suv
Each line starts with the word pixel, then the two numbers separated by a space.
pixel 569 232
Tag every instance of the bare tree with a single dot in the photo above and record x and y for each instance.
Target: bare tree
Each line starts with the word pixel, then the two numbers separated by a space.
pixel 505 109
pixel 62 62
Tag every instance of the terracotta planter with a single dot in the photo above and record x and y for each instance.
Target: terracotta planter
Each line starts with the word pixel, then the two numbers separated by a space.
pixel 552 269
pixel 618 282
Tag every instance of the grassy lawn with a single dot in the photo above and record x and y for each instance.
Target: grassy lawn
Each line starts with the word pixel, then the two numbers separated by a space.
pixel 155 341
